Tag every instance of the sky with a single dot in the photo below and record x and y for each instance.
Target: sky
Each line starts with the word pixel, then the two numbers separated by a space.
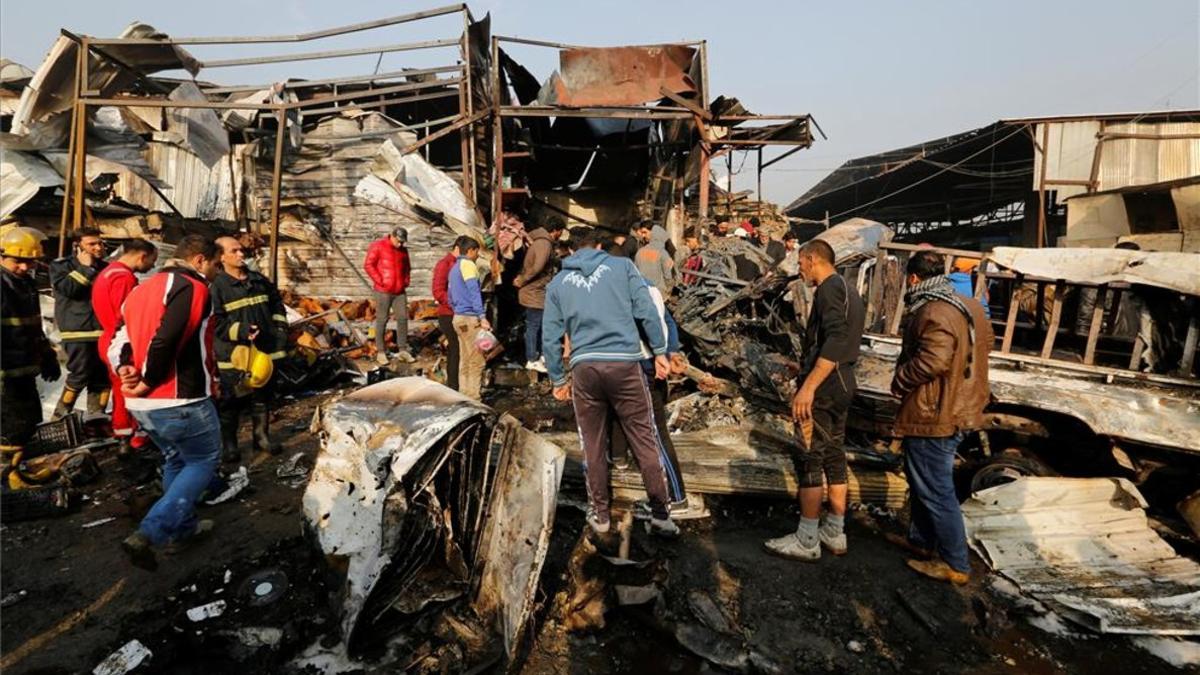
pixel 876 75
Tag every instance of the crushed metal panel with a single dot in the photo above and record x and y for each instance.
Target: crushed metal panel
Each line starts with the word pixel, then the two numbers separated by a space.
pixel 855 239
pixel 614 76
pixel 517 532
pixel 200 129
pixel 372 438
pixel 21 176
pixel 1157 415
pixel 1164 269
pixel 52 88
pixel 1084 547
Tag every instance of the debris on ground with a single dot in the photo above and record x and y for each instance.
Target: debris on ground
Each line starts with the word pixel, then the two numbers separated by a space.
pixel 1083 548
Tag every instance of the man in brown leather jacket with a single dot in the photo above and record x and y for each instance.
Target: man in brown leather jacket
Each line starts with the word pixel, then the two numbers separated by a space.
pixel 942 381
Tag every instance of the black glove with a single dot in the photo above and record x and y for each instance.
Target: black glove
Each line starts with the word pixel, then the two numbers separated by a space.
pixel 51 370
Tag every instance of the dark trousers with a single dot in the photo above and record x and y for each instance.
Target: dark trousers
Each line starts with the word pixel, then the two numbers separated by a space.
pixel 20 409
pixel 825 457
pixel 85 370
pixel 659 389
pixel 446 328
pixel 604 388
pixel 533 333
pixel 936 517
pixel 396 305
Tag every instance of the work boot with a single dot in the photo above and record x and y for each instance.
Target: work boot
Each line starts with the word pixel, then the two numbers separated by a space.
pixel 66 403
pixel 97 401
pixel 260 424
pixel 791 547
pixel 598 526
pixel 203 529
pixel 230 418
pixel 137 548
pixel 938 569
pixel 911 548
pixel 663 527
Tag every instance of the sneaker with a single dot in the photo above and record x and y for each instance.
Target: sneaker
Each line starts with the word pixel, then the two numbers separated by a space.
pixel 598 526
pixel 938 569
pixel 137 548
pixel 835 543
pixel 664 527
pixel 641 509
pixel 789 546
pixel 404 356
pixel 539 365
pixel 381 358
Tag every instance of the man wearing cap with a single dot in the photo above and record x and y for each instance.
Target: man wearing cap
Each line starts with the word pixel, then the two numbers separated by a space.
pixel 248 311
pixel 388 267
pixel 25 353
pixel 71 278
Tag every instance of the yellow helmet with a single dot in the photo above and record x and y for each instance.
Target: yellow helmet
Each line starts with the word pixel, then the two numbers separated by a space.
pixel 21 242
pixel 257 366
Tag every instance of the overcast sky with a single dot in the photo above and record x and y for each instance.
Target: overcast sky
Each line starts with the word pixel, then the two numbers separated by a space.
pixel 876 75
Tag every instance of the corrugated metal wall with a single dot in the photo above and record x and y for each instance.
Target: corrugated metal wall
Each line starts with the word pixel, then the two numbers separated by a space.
pixel 1124 162
pixel 196 190
pixel 320 199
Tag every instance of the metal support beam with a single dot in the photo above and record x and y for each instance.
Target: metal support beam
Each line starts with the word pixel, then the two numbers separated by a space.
pixel 276 184
pixel 331 54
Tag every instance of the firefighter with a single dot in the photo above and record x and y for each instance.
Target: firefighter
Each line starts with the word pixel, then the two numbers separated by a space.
pixel 71 278
pixel 25 353
pixel 248 312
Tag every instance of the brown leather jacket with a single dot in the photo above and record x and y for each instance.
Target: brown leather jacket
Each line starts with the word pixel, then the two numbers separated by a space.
pixel 936 400
pixel 536 271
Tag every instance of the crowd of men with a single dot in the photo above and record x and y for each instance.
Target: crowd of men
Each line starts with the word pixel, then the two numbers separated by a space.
pixel 181 355
pixel 178 355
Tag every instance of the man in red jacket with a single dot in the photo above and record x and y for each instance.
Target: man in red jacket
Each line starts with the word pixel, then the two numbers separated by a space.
pixel 163 355
pixel 387 266
pixel 109 291
pixel 445 313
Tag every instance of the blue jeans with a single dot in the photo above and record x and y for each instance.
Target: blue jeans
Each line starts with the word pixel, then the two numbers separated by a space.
pixel 190 439
pixel 533 333
pixel 936 518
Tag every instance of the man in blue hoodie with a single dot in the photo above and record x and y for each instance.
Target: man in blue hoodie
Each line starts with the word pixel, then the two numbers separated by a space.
pixel 602 305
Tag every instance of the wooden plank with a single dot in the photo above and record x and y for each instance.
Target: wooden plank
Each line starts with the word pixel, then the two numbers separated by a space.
pixel 1189 343
pixel 875 293
pixel 1135 357
pixel 1060 290
pixel 1011 321
pixel 685 103
pixel 1089 353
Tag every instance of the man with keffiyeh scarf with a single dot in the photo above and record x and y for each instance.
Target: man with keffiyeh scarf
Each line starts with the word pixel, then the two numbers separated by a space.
pixel 941 380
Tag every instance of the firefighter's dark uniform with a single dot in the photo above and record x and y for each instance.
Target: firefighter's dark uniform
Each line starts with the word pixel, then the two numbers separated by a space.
pixel 25 353
pixel 239 305
pixel 79 331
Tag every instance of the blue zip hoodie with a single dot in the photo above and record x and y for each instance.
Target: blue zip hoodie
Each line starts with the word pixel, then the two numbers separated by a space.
pixel 466 298
pixel 601 302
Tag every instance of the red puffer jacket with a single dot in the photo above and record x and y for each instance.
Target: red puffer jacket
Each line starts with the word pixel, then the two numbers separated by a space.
pixel 387 266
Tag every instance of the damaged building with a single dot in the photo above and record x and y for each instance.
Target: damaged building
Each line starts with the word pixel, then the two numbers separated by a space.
pixel 406 528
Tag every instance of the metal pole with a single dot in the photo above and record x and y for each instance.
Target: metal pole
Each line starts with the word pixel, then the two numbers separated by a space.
pixel 68 181
pixel 276 180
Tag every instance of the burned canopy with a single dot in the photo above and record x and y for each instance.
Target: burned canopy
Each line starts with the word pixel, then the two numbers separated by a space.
pixel 954 178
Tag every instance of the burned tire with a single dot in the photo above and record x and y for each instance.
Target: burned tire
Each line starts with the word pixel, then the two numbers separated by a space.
pixel 1004 468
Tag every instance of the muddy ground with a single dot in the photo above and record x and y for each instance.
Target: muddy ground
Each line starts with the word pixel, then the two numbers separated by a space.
pixel 82 600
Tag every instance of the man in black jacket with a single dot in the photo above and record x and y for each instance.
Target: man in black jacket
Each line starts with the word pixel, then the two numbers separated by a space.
pixel 71 277
pixel 248 310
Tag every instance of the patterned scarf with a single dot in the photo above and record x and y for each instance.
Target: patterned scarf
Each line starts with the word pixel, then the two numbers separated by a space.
pixel 940 288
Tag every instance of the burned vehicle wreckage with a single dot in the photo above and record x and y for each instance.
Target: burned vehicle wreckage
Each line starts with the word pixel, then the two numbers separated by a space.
pixel 425 502
pixel 1072 376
